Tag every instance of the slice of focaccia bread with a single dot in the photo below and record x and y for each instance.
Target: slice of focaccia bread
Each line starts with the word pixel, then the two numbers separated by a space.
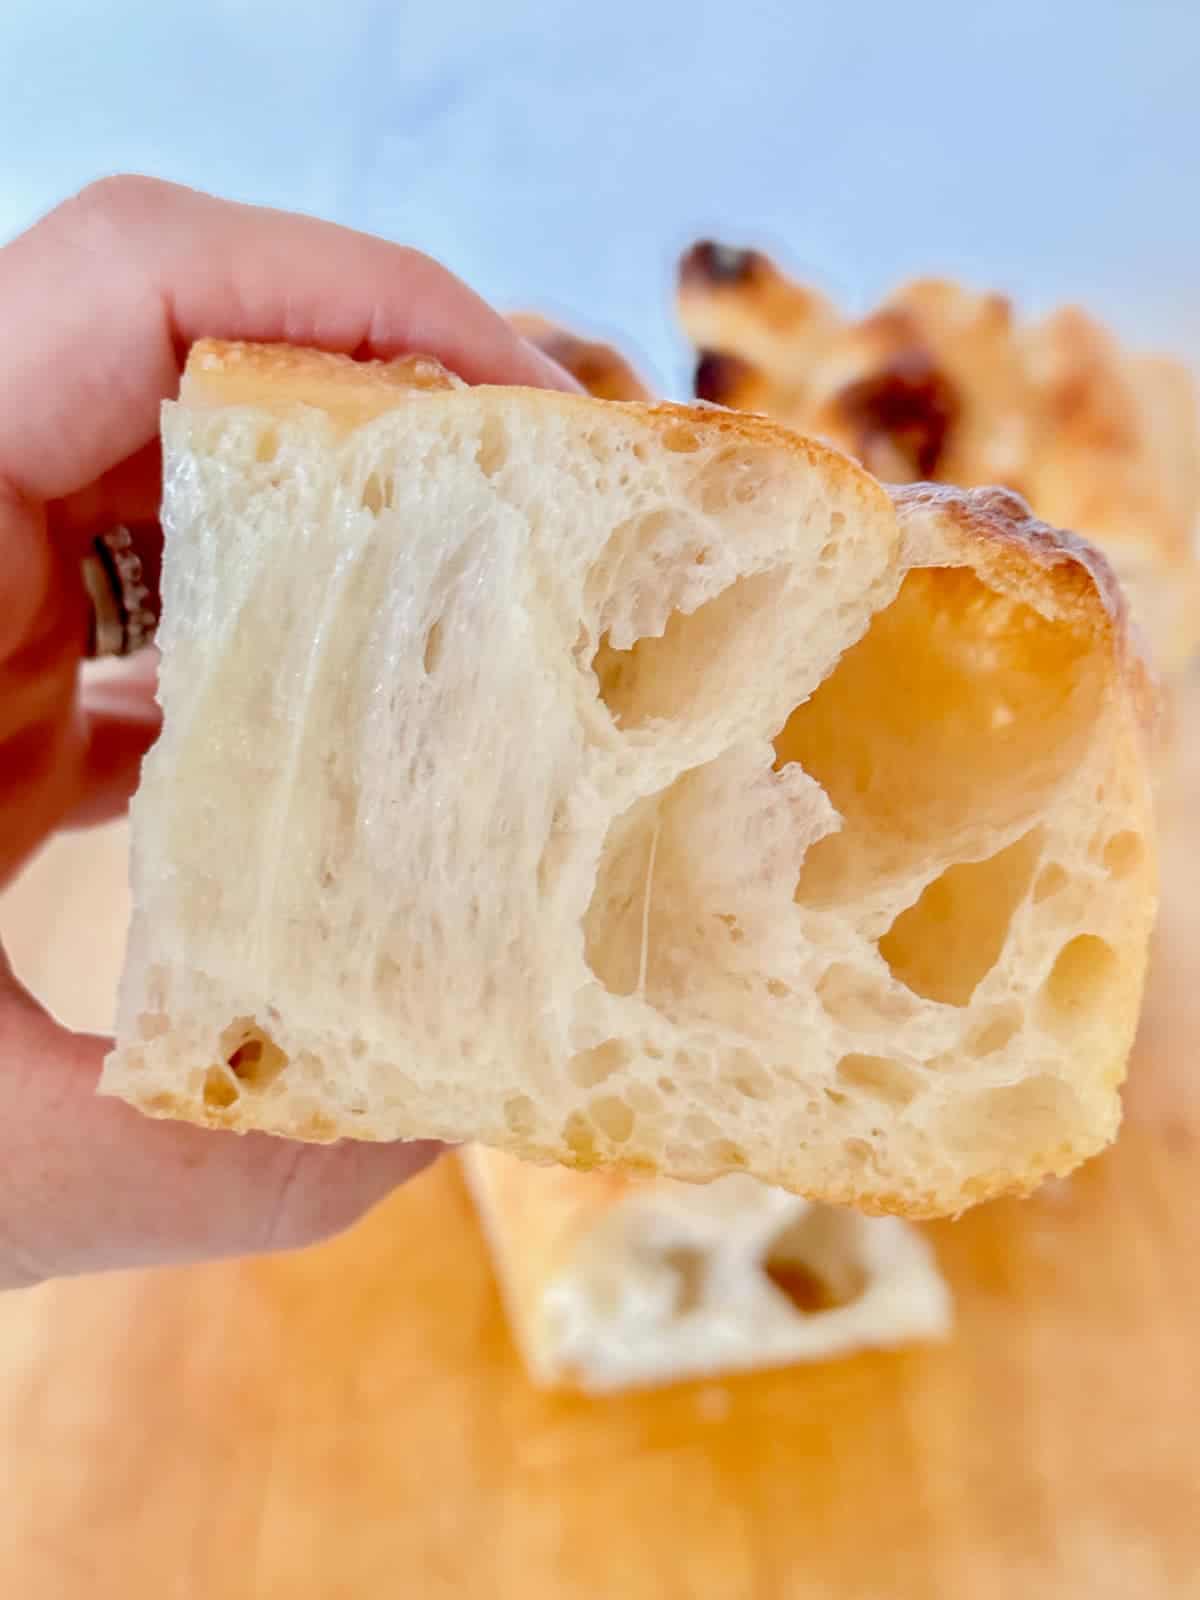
pixel 611 1282
pixel 627 784
pixel 940 382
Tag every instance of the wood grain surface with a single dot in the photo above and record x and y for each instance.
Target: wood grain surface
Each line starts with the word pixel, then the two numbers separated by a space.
pixel 353 1421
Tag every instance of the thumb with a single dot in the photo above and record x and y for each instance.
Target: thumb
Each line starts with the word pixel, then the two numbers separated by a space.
pixel 87 1183
pixel 121 720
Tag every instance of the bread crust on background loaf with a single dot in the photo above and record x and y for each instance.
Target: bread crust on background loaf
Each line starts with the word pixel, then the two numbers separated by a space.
pixel 940 382
pixel 599 367
pixel 627 785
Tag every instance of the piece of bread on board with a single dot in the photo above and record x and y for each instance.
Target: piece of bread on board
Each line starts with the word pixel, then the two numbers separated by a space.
pixel 610 1282
pixel 626 784
pixel 943 383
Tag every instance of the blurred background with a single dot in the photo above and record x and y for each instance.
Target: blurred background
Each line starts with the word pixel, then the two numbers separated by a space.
pixel 337 1421
pixel 561 156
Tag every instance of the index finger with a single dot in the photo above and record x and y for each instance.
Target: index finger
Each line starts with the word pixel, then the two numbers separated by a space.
pixel 103 297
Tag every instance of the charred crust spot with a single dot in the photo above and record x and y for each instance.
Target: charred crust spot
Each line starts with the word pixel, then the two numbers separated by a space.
pixel 909 404
pixel 711 263
pixel 718 376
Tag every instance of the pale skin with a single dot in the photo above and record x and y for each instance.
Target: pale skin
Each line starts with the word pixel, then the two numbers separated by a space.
pixel 99 303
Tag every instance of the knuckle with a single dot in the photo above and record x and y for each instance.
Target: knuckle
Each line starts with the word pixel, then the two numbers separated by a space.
pixel 110 212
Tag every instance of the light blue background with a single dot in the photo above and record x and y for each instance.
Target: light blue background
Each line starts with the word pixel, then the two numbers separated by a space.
pixel 558 156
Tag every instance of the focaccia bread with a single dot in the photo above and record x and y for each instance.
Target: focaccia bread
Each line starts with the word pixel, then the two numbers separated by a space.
pixel 626 784
pixel 599 367
pixel 610 1282
pixel 943 383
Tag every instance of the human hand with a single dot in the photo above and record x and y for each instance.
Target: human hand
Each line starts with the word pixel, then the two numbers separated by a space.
pixel 99 303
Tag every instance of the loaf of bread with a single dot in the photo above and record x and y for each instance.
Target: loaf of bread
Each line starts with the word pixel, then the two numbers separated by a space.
pixel 611 1282
pixel 599 367
pixel 627 785
pixel 942 383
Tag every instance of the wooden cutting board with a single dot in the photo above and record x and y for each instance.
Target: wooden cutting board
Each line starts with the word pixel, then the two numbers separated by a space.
pixel 353 1421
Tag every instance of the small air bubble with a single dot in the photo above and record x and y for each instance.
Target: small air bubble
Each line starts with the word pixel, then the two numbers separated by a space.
pixel 680 440
pixel 220 1091
pixel 376 494
pixel 433 648
pixel 252 1056
pixel 590 1067
pixel 613 1118
pixel 268 445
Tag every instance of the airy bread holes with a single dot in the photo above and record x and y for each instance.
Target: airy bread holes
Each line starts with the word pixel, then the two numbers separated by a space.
pixel 680 440
pixel 590 1067
pixel 751 1080
pixel 815 1262
pixel 612 1117
pixel 995 1033
pixel 251 1055
pixel 377 494
pixel 729 1155
pixel 1123 854
pixel 879 1078
pixel 492 451
pixel 733 477
pixel 433 647
pixel 618 924
pixel 695 662
pixel 267 447
pixel 859 999
pixel 580 1140
pixel 220 1089
pixel 1078 983
pixel 946 943
pixel 919 695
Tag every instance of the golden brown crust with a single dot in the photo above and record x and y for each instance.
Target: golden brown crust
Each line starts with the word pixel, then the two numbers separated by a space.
pixel 1017 552
pixel 1050 569
pixel 602 370
pixel 279 377
pixel 942 383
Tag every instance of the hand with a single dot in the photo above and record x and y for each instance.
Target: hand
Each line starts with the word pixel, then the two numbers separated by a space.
pixel 99 303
